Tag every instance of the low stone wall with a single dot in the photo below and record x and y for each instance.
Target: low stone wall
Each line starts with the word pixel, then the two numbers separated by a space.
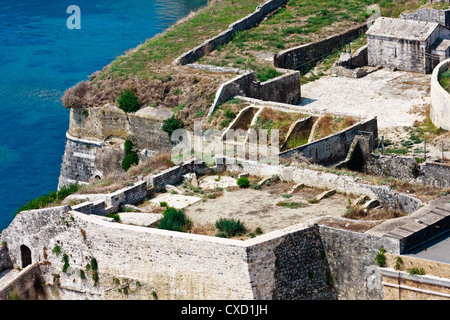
pixel 248 22
pixel 334 148
pixel 297 57
pixel 400 285
pixel 25 286
pixel 435 174
pixel 403 168
pixel 406 168
pixel 299 128
pixel 440 98
pixel 173 175
pixel 317 179
pixel 284 89
pixel 350 65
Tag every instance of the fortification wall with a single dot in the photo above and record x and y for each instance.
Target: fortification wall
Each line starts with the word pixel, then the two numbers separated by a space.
pixel 25 286
pixel 284 89
pixel 107 122
pixel 350 255
pixel 333 148
pixel 5 260
pixel 248 22
pixel 440 98
pixel 286 264
pixel 300 56
pixel 84 160
pixel 94 145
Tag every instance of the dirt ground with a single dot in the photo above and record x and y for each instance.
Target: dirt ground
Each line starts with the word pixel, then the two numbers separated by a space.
pixel 398 99
pixel 258 208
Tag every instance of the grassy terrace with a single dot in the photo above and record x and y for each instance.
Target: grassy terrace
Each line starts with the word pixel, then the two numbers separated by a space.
pixel 185 35
pixel 300 22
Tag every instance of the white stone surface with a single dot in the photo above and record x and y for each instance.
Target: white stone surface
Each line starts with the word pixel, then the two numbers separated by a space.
pixel 177 201
pixel 139 218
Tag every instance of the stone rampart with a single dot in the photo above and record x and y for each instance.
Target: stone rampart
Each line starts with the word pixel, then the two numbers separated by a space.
pixel 25 286
pixel 248 22
pixel 440 98
pixel 334 148
pixel 283 89
pixel 298 57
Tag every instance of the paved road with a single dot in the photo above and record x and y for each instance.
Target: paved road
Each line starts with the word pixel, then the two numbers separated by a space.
pixel 436 250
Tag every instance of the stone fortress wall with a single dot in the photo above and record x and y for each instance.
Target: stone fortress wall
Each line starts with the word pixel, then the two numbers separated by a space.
pixel 305 261
pixel 440 98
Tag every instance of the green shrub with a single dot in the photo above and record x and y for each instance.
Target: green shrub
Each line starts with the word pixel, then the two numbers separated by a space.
pixel 416 271
pixel 115 216
pixel 174 220
pixel 243 182
pixel 94 264
pixel 231 227
pixel 128 146
pixel 56 249
pixel 65 260
pixel 128 101
pixel 130 160
pixel 380 258
pixel 171 124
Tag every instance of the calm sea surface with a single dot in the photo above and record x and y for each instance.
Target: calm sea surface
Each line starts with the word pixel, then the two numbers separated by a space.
pixel 39 59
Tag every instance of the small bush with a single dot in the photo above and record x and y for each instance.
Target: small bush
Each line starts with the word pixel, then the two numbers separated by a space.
pixel 231 227
pixel 128 101
pixel 380 258
pixel 172 124
pixel 243 182
pixel 174 220
pixel 416 271
pixel 128 146
pixel 56 250
pixel 116 217
pixel 130 160
pixel 65 260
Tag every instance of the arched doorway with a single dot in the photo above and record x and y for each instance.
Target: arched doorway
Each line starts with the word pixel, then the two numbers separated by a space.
pixel 25 254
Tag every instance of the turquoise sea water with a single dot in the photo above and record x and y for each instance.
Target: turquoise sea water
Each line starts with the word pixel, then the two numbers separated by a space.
pixel 39 59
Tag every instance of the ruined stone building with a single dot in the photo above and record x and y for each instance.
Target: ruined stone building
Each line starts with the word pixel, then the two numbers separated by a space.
pixel 408 45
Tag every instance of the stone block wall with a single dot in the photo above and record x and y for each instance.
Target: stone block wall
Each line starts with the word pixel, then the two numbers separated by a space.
pixel 387 197
pixel 26 285
pixel 435 174
pixel 440 98
pixel 5 260
pixel 334 148
pixel 289 266
pixel 297 57
pixel 403 168
pixel 284 89
pixel 431 15
pixel 248 22
pixel 174 175
pixel 350 255
pixel 298 262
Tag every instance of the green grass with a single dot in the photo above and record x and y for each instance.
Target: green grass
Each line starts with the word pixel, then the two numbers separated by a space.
pixel 49 199
pixel 174 220
pixel 290 205
pixel 301 22
pixel 182 37
pixel 230 227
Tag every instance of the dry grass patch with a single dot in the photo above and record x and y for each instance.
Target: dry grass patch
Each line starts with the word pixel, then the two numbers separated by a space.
pixel 329 125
